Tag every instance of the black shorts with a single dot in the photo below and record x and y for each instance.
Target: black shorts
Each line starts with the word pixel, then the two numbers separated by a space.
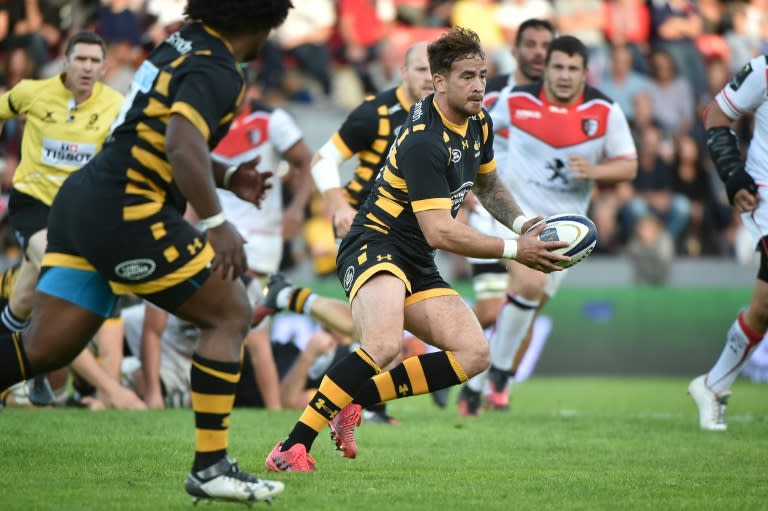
pixel 158 256
pixel 26 215
pixel 363 256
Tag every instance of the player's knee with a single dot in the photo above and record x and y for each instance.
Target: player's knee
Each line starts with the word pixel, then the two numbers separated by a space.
pixel 477 360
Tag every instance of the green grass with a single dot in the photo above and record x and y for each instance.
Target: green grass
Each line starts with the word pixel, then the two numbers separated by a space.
pixel 568 443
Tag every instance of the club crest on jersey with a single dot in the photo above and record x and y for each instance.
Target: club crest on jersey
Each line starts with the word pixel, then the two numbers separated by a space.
pixel 589 126
pixel 349 277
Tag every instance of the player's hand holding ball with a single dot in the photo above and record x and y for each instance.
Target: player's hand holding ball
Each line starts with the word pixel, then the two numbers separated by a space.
pixel 577 232
pixel 535 252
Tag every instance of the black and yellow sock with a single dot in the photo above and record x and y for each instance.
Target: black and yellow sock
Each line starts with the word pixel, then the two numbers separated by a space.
pixel 299 298
pixel 14 364
pixel 337 387
pixel 414 376
pixel 213 396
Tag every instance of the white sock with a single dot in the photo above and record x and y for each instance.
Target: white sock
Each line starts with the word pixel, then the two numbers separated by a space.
pixel 511 328
pixel 739 344
pixel 541 329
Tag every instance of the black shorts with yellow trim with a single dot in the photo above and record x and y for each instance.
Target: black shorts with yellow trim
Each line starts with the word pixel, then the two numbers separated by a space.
pixel 160 257
pixel 365 255
pixel 27 215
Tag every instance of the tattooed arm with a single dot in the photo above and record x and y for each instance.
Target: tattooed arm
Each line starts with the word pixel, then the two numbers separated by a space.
pixel 494 195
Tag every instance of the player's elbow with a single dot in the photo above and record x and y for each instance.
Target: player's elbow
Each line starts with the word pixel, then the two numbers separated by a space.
pixel 438 237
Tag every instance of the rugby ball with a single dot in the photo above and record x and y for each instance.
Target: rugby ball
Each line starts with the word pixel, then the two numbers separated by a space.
pixel 579 231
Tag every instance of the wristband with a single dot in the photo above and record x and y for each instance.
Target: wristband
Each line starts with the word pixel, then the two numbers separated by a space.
pixel 213 221
pixel 228 175
pixel 518 223
pixel 510 249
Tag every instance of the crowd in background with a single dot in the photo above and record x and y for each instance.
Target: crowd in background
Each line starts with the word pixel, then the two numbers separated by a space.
pixel 663 61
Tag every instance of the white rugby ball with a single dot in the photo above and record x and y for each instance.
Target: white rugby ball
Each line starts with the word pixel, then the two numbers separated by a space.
pixel 578 230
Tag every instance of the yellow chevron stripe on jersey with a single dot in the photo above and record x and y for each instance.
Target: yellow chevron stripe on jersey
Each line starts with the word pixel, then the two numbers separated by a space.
pixel 345 151
pixel 193 116
pixel 374 218
pixel 163 83
pixel 192 268
pixel 153 162
pixel 57 259
pixel 384 127
pixel 141 211
pixel 394 181
pixel 158 230
pixel 427 204
pixel 152 137
pixel 390 206
pixel 487 167
pixel 135 176
pixel 376 228
pixel 133 189
pixel 380 145
pixel 157 110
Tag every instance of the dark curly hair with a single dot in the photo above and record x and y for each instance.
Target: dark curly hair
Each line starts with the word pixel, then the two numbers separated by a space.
pixel 239 16
pixel 458 44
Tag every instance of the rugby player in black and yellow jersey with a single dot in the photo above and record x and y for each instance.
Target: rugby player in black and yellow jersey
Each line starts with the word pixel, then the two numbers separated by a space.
pixel 116 227
pixel 368 132
pixel 386 262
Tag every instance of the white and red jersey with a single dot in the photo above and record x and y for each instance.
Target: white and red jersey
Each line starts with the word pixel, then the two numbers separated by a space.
pixel 267 132
pixel 748 93
pixel 542 136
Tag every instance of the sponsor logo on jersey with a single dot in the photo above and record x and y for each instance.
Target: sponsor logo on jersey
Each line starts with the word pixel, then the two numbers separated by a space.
pixel 135 269
pixel 180 44
pixel 455 155
pixel 590 126
pixel 457 196
pixel 417 111
pixel 48 117
pixel 67 154
pixel 349 277
pixel 557 167
pixel 742 75
pixel 527 114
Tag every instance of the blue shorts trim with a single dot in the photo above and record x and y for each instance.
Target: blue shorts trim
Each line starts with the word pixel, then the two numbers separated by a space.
pixel 85 289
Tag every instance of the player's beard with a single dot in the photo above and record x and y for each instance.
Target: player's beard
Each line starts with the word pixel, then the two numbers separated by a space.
pixel 527 69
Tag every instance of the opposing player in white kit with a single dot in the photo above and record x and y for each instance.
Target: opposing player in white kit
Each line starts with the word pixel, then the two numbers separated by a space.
pixel 489 278
pixel 563 136
pixel 745 184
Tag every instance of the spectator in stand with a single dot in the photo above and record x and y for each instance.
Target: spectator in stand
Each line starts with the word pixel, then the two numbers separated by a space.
pixel 513 12
pixel 168 16
pixel 439 13
pixel 651 251
pixel 584 20
pixel 361 29
pixel 116 21
pixel 481 16
pixel 672 94
pixel 653 185
pixel 676 24
pixel 304 36
pixel 32 24
pixel 620 82
pixel 708 216
pixel 743 45
pixel 628 22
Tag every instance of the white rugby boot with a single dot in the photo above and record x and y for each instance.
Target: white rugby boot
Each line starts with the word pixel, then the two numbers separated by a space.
pixel 711 405
pixel 224 481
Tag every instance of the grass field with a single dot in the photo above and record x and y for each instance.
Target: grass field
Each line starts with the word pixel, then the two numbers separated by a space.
pixel 567 443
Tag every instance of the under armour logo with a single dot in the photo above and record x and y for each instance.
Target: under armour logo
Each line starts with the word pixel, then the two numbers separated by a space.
pixel 48 117
pixel 558 170
pixel 381 258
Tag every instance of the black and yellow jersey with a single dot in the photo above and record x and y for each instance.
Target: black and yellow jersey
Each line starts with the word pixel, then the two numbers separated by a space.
pixel 369 131
pixel 60 136
pixel 192 73
pixel 433 164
